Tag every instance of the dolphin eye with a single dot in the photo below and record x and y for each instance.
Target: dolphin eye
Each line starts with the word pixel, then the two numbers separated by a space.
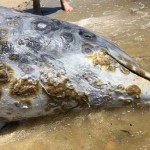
pixel 87 35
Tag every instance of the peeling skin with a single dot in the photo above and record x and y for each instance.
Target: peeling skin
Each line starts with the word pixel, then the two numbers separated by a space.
pixel 6 74
pixel 63 93
pixel 134 91
pixel 23 87
pixel 3 76
pixel 124 70
pixel 121 87
pixel 102 59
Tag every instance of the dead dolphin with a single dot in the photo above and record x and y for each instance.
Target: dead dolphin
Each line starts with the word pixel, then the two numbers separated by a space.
pixel 48 66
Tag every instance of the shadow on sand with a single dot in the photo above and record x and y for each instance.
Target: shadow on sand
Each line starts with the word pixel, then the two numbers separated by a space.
pixel 45 10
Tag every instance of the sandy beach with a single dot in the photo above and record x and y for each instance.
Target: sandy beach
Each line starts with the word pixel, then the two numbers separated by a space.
pixel 126 23
pixel 13 3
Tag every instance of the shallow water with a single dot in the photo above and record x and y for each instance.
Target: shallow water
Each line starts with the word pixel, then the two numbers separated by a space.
pixel 127 23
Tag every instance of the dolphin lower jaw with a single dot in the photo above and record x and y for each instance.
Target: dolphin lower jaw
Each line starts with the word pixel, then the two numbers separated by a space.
pixel 132 93
pixel 105 81
pixel 117 86
pixel 132 89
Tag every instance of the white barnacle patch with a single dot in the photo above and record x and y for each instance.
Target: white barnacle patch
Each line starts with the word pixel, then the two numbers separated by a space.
pixel 103 60
pixel 41 25
pixel 24 87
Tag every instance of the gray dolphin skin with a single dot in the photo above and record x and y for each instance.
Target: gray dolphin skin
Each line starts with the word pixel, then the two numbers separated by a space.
pixel 48 66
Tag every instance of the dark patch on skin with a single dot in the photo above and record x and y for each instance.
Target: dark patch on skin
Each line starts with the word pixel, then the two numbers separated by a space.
pixel 45 58
pixel 32 43
pixel 67 40
pixel 61 24
pixel 23 87
pixel 134 91
pixel 13 21
pixel 24 59
pixel 87 35
pixel 31 58
pixel 97 99
pixel 92 79
pixel 21 42
pixel 67 36
pixel 87 48
pixel 14 57
pixel 6 47
pixel 45 26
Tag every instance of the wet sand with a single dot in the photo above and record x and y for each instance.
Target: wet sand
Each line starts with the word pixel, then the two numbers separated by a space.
pixel 127 23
